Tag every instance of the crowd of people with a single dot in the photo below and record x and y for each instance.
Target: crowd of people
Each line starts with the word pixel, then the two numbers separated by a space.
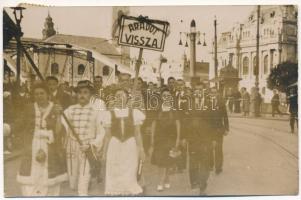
pixel 177 127
pixel 243 102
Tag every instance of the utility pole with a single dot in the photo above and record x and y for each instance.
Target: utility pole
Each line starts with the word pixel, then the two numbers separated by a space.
pixel 215 51
pixel 238 49
pixel 256 70
pixel 256 95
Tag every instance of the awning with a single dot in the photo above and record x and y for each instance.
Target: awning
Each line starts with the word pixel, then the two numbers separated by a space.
pixel 12 65
pixel 108 61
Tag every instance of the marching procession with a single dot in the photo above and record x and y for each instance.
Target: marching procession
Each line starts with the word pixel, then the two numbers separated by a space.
pixel 175 130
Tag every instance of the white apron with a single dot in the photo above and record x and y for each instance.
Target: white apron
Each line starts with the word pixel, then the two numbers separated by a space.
pixel 121 168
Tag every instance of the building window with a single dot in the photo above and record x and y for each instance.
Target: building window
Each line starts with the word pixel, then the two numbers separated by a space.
pixel 245 66
pixel 81 69
pixel 265 64
pixel 54 69
pixel 106 70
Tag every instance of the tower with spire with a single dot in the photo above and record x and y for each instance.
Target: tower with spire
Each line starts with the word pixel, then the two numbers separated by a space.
pixel 48 30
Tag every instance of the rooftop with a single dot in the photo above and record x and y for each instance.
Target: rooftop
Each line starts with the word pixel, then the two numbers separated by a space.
pixel 100 45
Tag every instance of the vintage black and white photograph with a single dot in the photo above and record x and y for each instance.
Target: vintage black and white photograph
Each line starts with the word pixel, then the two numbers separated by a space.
pixel 154 100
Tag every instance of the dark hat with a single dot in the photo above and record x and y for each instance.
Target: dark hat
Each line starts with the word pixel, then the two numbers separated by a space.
pixel 84 84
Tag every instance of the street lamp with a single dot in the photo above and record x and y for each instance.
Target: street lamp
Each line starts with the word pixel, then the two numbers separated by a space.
pixel 18 17
pixel 180 42
pixel 195 39
pixel 204 42
pixel 199 35
pixel 18 14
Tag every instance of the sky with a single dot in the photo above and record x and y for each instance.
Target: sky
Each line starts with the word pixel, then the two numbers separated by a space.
pixel 96 22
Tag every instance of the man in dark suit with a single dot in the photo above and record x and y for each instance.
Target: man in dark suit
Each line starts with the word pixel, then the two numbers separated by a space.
pixel 275 102
pixel 219 127
pixel 198 138
pixel 58 96
pixel 293 107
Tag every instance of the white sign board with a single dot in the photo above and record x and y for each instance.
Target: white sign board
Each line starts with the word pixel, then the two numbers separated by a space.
pixel 142 33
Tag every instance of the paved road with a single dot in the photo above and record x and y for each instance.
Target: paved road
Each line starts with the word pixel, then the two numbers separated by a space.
pixel 261 158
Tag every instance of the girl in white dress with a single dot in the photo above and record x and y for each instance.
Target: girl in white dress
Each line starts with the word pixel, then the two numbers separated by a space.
pixel 123 147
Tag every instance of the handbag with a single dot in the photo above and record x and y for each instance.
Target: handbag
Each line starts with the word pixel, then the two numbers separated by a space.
pixel 41 156
pixel 175 153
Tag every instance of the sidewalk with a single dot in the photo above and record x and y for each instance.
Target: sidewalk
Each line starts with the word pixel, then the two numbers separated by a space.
pixel 267 116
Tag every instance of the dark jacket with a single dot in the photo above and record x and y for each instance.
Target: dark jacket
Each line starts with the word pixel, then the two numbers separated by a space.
pixel 62 98
pixel 275 100
pixel 218 116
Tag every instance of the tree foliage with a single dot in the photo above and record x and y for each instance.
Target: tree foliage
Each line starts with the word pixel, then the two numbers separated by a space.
pixel 283 75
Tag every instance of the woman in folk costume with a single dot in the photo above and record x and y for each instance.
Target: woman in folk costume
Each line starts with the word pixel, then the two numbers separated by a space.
pixel 165 139
pixel 87 123
pixel 123 147
pixel 43 165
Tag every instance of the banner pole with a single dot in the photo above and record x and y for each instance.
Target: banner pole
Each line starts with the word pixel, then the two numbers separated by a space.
pixel 137 69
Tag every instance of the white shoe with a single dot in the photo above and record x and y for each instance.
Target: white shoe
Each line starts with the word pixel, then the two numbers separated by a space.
pixel 167 185
pixel 159 188
pixel 6 152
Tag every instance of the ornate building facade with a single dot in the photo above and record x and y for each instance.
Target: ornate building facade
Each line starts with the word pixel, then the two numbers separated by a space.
pixel 278 43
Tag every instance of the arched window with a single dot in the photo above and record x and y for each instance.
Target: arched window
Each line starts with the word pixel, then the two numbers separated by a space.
pixel 245 66
pixel 254 65
pixel 81 69
pixel 265 64
pixel 105 70
pixel 54 69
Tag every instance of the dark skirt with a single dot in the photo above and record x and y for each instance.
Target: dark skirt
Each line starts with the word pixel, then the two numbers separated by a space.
pixel 160 156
